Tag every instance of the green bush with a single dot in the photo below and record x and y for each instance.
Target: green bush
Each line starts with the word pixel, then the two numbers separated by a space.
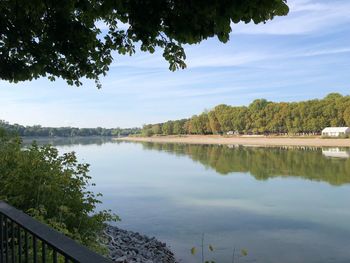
pixel 53 188
pixel 147 133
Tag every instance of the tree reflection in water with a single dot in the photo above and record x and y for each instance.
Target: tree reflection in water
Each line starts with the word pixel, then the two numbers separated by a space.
pixel 266 162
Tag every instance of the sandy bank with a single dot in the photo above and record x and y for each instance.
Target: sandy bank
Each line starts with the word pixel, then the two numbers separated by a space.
pixel 251 141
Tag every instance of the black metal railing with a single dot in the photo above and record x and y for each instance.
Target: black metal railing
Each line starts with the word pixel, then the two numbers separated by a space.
pixel 26 240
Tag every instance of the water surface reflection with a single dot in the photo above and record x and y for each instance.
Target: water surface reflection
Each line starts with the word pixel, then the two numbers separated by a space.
pixel 281 204
pixel 268 162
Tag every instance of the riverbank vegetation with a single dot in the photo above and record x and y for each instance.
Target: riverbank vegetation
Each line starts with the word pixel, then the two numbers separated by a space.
pixel 53 188
pixel 262 117
pixel 40 131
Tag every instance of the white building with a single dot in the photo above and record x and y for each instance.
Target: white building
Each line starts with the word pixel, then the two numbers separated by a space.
pixel 336 131
pixel 232 133
pixel 336 153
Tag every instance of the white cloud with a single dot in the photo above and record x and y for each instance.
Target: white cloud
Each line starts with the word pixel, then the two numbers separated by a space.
pixel 222 59
pixel 203 55
pixel 325 52
pixel 304 17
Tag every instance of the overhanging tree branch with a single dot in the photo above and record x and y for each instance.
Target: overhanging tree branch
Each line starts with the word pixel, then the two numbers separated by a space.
pixel 60 39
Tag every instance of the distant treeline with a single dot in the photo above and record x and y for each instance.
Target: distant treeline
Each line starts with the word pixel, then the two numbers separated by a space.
pixel 262 117
pixel 37 130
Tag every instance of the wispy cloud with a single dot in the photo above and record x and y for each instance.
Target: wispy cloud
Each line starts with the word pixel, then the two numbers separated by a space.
pixel 322 52
pixel 305 16
pixel 219 59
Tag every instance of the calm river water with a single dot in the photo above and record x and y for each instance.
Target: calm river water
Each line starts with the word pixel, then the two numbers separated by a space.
pixel 280 204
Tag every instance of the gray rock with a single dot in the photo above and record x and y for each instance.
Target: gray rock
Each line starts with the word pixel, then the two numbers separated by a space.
pixel 121 259
pixel 133 247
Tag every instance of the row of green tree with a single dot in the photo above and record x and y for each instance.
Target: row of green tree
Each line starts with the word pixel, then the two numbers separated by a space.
pixel 38 130
pixel 264 163
pixel 262 117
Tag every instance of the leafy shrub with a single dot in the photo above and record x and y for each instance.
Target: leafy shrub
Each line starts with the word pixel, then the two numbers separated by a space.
pixel 53 188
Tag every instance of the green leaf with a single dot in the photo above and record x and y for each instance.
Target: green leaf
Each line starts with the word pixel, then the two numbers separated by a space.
pixel 193 251
pixel 244 252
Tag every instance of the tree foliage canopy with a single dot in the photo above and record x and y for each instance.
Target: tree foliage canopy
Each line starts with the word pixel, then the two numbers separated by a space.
pixel 264 117
pixel 61 38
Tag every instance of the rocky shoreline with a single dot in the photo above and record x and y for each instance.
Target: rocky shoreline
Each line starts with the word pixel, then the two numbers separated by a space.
pixel 131 247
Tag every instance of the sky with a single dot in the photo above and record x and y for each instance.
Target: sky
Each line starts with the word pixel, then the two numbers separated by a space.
pixel 302 56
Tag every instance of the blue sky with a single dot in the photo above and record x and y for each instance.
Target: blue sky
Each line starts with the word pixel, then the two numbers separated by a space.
pixel 304 55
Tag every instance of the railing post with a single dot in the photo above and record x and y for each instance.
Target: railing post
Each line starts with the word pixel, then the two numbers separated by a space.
pixel 35 256
pixel 43 252
pixel 26 246
pixel 1 239
pixel 6 241
pixel 19 237
pixel 13 259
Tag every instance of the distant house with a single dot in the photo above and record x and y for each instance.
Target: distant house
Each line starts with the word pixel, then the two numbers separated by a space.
pixel 232 133
pixel 336 131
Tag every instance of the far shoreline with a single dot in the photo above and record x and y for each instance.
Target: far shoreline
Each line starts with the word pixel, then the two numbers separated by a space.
pixel 244 140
